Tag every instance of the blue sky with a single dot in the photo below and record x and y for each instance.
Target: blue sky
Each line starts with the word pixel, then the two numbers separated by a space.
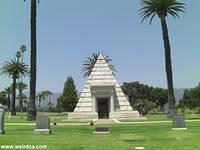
pixel 68 31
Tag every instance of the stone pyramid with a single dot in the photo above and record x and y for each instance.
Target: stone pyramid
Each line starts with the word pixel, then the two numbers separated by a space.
pixel 102 84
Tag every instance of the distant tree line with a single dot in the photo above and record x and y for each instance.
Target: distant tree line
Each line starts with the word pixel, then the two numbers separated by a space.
pixel 45 98
pixel 191 99
pixel 145 98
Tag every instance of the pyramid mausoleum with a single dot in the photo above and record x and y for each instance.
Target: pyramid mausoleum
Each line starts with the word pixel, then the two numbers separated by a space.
pixel 102 97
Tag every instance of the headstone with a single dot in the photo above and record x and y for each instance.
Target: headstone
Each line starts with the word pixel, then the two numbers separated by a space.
pixel 178 122
pixel 101 130
pixel 2 131
pixel 42 124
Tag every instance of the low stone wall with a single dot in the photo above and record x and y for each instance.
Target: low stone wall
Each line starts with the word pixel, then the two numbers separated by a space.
pixel 82 116
pixel 120 115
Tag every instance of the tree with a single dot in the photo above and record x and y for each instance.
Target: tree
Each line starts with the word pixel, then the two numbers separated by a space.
pixel 68 99
pixel 21 86
pixel 14 68
pixel 49 104
pixel 136 91
pixel 18 55
pixel 8 92
pixel 40 96
pixel 22 50
pixel 162 8
pixel 144 98
pixel 159 96
pixel 3 98
pixel 143 106
pixel 31 115
pixel 46 97
pixel 50 107
pixel 191 99
pixel 90 62
pixel 59 106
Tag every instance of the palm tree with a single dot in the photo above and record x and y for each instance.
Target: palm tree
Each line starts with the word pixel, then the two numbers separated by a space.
pixel 90 62
pixel 46 97
pixel 162 8
pixel 8 92
pixel 25 102
pixel 31 115
pixel 22 50
pixel 21 86
pixel 48 94
pixel 14 68
pixel 18 55
pixel 50 105
pixel 40 97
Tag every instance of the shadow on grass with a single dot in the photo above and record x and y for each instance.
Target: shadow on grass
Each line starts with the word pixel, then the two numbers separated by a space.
pixel 134 140
pixel 194 118
pixel 149 140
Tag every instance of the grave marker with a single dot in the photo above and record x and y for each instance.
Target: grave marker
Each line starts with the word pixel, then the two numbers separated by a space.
pixel 2 131
pixel 42 124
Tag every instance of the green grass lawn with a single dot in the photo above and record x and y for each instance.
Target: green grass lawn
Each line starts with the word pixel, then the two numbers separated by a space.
pixel 122 137
pixel 62 118
pixel 21 117
pixel 157 136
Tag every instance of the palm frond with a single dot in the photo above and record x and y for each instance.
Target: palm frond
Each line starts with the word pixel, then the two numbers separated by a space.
pixel 14 68
pixel 89 63
pixel 160 7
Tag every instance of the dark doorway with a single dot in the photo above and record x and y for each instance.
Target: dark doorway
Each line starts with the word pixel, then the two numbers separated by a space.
pixel 103 112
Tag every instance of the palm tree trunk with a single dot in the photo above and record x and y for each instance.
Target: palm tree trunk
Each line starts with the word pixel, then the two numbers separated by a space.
pixel 171 97
pixel 32 108
pixel 22 62
pixel 39 104
pixel 49 103
pixel 8 104
pixel 20 100
pixel 13 110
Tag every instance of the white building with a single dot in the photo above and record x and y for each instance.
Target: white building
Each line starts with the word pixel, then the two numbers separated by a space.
pixel 102 97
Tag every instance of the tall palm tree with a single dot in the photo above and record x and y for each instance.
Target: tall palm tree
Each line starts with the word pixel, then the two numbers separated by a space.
pixel 8 92
pixel 48 94
pixel 22 50
pixel 25 102
pixel 18 55
pixel 39 98
pixel 31 115
pixel 14 68
pixel 162 8
pixel 44 95
pixel 21 86
pixel 90 62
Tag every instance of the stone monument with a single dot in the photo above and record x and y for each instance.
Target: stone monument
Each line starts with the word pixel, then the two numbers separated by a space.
pixel 178 122
pixel 42 124
pixel 2 131
pixel 102 97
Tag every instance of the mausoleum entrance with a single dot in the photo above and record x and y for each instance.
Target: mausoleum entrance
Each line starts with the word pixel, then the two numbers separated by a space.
pixel 103 108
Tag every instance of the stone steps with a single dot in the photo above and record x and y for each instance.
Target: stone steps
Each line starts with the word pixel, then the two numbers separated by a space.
pixel 106 121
